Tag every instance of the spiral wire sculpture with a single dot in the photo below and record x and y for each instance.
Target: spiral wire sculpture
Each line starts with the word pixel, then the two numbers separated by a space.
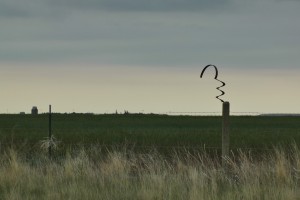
pixel 216 78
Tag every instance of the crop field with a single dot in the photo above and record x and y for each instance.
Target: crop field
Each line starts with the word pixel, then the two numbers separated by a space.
pixel 149 157
pixel 146 131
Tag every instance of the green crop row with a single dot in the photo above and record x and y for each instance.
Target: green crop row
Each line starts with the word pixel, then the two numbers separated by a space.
pixel 161 131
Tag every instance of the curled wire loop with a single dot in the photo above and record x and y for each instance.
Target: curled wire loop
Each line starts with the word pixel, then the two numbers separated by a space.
pixel 216 78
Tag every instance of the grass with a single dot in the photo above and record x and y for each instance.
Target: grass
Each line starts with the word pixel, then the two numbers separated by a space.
pixel 89 174
pixel 136 157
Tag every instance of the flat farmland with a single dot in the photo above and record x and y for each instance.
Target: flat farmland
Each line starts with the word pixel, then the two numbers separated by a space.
pixel 150 130
pixel 139 156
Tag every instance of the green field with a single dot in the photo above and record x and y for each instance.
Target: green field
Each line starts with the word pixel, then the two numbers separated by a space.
pixel 139 156
pixel 146 131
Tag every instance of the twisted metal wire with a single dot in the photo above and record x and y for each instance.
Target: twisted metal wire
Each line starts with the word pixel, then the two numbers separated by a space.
pixel 216 78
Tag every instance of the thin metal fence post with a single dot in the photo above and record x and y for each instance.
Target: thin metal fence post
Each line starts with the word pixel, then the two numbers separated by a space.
pixel 50 133
pixel 225 132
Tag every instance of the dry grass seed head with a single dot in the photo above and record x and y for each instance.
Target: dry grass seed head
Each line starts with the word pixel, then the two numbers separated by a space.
pixel 49 142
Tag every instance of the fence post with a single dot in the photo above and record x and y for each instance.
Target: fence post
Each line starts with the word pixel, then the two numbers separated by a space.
pixel 225 132
pixel 50 133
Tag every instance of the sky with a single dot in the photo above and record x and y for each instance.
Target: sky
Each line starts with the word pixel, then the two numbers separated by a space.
pixel 146 56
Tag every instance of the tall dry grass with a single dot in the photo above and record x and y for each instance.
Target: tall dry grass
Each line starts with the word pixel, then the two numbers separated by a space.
pixel 89 174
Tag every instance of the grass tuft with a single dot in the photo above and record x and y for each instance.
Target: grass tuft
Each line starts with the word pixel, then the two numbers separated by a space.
pixel 49 142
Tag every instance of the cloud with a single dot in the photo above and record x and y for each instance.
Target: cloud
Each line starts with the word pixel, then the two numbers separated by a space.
pixel 52 8
pixel 290 0
pixel 26 9
pixel 10 10
pixel 29 8
pixel 144 5
pixel 262 33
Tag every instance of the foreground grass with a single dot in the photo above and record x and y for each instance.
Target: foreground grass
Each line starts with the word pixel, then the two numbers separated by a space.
pixel 90 174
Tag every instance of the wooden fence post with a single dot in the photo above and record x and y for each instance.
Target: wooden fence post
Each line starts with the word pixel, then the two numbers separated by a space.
pixel 225 132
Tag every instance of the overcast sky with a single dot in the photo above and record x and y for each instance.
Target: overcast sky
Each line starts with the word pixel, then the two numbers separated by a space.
pixel 103 55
